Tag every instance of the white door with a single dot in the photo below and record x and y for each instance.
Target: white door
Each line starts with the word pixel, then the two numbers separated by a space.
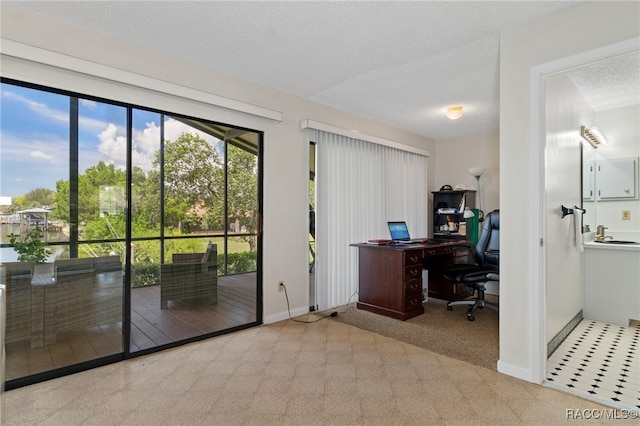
pixel 565 111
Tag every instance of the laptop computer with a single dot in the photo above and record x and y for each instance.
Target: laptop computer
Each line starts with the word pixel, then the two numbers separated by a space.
pixel 400 233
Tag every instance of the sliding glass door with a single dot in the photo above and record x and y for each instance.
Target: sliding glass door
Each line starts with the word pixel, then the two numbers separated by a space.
pixel 195 272
pixel 123 230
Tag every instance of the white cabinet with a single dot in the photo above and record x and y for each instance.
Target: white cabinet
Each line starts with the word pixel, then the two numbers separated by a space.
pixel 616 179
pixel 611 287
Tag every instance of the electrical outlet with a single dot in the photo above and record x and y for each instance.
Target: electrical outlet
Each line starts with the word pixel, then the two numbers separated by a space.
pixel 626 214
pixel 280 285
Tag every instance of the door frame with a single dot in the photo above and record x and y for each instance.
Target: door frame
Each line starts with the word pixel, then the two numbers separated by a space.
pixel 537 189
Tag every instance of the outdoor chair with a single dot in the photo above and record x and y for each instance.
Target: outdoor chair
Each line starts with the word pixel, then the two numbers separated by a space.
pixel 17 278
pixel 190 277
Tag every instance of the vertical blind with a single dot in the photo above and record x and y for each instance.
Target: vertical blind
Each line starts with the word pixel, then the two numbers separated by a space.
pixel 359 187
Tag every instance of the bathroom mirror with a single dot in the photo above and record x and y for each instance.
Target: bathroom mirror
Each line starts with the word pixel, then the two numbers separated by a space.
pixel 612 88
pixel 610 191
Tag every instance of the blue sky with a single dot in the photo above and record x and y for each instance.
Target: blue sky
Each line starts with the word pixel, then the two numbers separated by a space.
pixel 34 138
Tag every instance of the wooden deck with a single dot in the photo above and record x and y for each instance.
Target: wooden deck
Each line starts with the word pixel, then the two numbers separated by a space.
pixel 151 327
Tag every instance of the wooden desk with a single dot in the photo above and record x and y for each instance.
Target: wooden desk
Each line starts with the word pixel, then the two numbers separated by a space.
pixel 390 277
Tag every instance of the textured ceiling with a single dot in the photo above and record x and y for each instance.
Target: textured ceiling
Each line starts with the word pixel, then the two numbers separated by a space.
pixel 609 84
pixel 401 63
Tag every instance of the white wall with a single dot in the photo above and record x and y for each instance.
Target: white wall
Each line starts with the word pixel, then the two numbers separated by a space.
pixel 621 126
pixel 453 157
pixel 286 148
pixel 588 26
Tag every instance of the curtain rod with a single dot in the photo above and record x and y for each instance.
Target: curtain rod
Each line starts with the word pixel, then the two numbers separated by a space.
pixel 354 134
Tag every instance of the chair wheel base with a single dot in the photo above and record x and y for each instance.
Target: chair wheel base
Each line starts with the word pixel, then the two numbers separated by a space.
pixel 473 304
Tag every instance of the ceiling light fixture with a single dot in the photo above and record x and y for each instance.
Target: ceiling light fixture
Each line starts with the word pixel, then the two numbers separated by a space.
pixel 454 112
pixel 593 136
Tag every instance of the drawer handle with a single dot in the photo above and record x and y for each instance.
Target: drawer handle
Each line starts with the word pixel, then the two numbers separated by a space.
pixel 413 287
pixel 413 259
pixel 413 302
pixel 431 252
pixel 413 272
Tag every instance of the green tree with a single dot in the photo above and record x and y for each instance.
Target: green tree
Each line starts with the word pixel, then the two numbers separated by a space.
pixel 189 168
pixel 39 197
pixel 194 184
pixel 242 195
pixel 61 204
pixel 17 204
pixel 89 184
pixel 145 199
pixel 192 171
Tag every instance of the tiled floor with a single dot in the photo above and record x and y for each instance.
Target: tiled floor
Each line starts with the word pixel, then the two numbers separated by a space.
pixel 289 373
pixel 601 362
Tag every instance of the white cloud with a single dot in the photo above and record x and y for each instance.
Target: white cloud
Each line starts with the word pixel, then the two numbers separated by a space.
pixel 88 103
pixel 39 108
pixel 42 156
pixel 113 146
pixel 92 124
pixel 145 145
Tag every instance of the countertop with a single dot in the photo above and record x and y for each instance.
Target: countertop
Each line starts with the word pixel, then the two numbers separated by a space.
pixel 590 243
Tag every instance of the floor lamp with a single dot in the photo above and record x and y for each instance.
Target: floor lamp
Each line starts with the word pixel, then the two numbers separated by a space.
pixel 476 172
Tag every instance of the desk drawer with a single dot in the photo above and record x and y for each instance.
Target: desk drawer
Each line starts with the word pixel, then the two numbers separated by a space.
pixel 413 257
pixel 438 251
pixel 412 287
pixel 412 302
pixel 413 272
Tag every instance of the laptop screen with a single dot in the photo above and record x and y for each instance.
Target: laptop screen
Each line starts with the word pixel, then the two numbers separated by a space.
pixel 398 230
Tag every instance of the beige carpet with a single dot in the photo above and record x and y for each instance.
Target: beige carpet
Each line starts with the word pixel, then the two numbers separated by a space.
pixel 444 332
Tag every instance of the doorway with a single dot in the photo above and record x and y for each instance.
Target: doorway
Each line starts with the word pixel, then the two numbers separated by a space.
pixel 568 105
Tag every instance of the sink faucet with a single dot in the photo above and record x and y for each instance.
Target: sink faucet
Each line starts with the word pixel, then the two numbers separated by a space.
pixel 600 237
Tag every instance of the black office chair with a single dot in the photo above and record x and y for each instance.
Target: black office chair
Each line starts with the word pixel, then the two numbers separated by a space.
pixel 486 267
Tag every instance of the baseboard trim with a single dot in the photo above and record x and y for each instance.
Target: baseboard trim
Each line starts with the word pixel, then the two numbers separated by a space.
pixel 516 371
pixel 281 316
pixel 562 334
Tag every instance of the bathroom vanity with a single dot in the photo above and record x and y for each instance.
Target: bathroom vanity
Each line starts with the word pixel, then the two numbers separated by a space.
pixel 612 280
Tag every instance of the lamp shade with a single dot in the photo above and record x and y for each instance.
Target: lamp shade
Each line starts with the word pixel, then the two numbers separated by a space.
pixel 476 171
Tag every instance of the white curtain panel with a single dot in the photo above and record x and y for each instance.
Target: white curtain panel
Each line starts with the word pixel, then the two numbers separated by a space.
pixel 359 187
